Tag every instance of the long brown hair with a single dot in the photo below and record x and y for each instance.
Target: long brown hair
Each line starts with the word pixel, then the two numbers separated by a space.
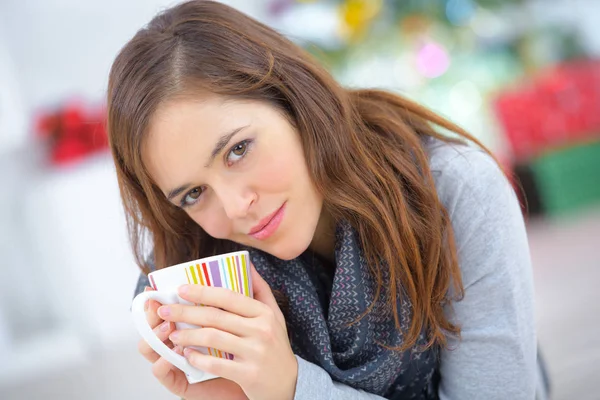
pixel 364 150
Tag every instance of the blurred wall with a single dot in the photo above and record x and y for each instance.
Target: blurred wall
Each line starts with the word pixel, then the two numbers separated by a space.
pixel 68 270
pixel 64 48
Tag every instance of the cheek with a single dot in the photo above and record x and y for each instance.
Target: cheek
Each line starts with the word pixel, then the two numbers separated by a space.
pixel 215 223
pixel 278 173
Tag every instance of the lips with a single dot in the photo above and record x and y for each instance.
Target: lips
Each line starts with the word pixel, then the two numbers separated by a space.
pixel 268 225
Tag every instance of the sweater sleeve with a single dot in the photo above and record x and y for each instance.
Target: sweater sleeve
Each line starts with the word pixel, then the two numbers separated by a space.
pixel 495 357
pixel 314 383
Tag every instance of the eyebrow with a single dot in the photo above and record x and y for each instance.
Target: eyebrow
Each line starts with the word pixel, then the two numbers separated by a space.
pixel 219 146
pixel 221 143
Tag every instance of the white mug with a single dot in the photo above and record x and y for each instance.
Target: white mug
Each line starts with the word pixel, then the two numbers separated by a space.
pixel 231 271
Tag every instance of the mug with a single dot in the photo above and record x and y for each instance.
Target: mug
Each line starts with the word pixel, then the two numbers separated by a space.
pixel 230 271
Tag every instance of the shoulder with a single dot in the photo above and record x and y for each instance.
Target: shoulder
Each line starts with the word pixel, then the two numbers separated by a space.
pixel 466 174
pixel 495 265
pixel 483 208
pixel 459 166
pixel 443 156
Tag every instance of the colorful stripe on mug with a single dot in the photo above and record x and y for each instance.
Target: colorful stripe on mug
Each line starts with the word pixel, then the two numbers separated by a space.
pixel 228 272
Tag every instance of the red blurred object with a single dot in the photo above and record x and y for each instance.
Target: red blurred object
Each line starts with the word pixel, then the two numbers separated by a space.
pixel 558 108
pixel 74 133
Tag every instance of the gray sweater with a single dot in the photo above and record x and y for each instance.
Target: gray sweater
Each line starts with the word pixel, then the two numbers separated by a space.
pixel 496 356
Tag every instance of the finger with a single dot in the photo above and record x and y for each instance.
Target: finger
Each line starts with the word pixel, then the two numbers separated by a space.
pixel 206 316
pixel 162 332
pixel 147 288
pixel 261 289
pixel 150 307
pixel 151 355
pixel 211 338
pixel 170 376
pixel 152 315
pixel 222 298
pixel 225 368
pixel 263 293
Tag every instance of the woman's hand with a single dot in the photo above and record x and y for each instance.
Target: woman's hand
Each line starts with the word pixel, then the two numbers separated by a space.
pixel 173 378
pixel 253 330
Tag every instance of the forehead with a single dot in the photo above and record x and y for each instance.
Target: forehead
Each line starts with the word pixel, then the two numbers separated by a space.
pixel 180 137
pixel 182 134
pixel 176 117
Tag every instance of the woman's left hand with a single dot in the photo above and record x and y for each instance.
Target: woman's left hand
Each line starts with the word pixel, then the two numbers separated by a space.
pixel 253 330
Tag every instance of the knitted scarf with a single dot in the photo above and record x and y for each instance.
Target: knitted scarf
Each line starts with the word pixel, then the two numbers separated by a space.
pixel 321 309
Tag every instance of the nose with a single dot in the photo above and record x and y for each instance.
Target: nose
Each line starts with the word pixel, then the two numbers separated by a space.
pixel 236 199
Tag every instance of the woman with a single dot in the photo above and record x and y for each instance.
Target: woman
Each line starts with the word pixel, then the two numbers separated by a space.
pixel 398 255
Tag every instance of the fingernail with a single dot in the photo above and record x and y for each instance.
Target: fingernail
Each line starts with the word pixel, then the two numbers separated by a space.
pixel 164 311
pixel 187 352
pixel 174 336
pixel 184 289
pixel 164 327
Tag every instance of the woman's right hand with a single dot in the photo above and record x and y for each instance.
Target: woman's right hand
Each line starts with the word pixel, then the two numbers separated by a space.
pixel 172 377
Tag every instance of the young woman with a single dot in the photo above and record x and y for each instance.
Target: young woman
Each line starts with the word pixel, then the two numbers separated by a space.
pixel 398 255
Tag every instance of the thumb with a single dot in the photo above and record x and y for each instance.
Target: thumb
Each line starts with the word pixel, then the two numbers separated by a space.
pixel 261 290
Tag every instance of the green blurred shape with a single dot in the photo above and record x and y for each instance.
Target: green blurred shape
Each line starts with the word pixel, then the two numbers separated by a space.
pixel 568 179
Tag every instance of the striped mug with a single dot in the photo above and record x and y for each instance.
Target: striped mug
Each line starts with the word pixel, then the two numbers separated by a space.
pixel 231 271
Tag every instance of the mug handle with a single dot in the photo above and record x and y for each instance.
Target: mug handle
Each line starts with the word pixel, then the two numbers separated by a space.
pixel 141 323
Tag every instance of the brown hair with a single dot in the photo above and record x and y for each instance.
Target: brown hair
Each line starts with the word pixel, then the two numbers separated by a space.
pixel 363 148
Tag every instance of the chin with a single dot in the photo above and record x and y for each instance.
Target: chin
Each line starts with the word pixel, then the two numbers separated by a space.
pixel 288 251
pixel 287 254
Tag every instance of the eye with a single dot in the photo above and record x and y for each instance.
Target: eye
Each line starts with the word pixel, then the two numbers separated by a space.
pixel 191 197
pixel 238 152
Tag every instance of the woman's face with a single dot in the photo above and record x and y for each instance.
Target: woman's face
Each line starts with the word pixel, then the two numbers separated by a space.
pixel 237 168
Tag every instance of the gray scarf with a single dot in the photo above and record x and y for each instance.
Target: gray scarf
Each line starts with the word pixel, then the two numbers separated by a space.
pixel 322 305
pixel 321 308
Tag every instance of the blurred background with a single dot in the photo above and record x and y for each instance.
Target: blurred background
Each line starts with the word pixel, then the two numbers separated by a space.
pixel 521 75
